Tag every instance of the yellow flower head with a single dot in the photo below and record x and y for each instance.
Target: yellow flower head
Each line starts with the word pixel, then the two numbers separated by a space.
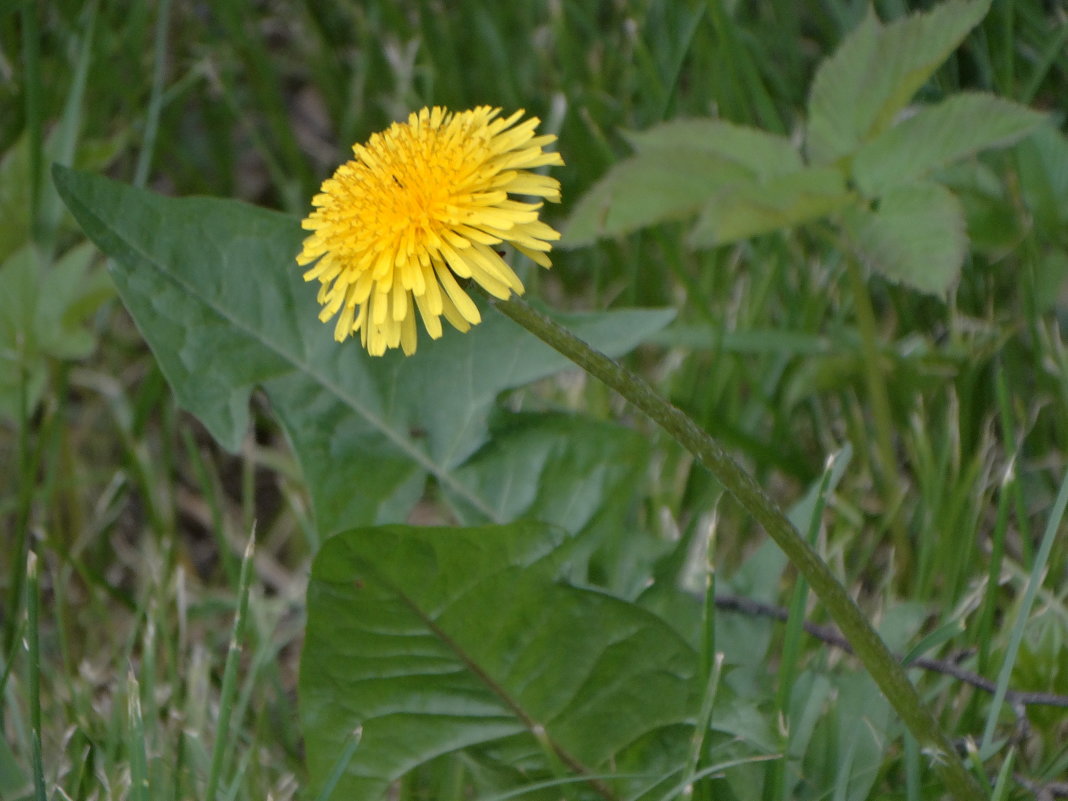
pixel 423 202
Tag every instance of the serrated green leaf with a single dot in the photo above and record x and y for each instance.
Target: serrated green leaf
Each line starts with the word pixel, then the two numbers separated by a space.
pixel 646 189
pixel 916 236
pixel 578 473
pixel 936 136
pixel 214 288
pixel 760 152
pixel 434 640
pixel 679 165
pixel 560 469
pixel 744 210
pixel 876 70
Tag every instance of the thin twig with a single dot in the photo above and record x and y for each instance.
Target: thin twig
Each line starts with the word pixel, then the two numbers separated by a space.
pixel 831 636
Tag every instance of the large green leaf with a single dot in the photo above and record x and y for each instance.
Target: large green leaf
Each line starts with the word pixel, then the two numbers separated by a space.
pixel 760 152
pixel 744 210
pixel 581 474
pixel 213 286
pixel 938 135
pixel 915 235
pixel 858 91
pixel 647 189
pixel 435 640
pixel 560 465
pixel 678 166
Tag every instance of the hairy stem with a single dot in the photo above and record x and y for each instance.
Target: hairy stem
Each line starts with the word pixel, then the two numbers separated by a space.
pixel 866 644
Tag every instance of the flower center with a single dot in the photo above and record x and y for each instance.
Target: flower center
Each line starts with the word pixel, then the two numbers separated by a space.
pixel 421 179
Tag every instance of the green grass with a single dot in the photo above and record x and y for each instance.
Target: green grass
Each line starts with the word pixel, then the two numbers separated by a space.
pixel 138 521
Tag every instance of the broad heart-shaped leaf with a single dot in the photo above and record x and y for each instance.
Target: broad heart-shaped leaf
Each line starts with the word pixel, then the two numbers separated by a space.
pixel 678 166
pixel 435 640
pixel 214 288
pixel 858 91
pixel 916 235
pixel 938 135
pixel 748 209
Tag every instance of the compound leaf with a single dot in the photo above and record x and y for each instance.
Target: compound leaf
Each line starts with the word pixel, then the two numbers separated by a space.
pixel 876 70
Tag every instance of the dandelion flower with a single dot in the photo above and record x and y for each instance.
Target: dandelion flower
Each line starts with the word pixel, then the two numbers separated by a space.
pixel 422 204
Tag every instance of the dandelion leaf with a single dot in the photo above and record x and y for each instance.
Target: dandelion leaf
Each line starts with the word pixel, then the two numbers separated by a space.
pixel 431 641
pixel 213 286
pixel 574 472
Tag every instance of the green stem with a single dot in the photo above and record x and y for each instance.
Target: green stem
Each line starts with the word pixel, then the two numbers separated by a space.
pixel 886 470
pixel 31 55
pixel 27 471
pixel 33 600
pixel 866 644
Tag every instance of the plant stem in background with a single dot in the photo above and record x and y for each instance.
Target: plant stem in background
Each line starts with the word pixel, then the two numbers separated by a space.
pixel 34 648
pixel 31 55
pixel 155 100
pixel 866 643
pixel 885 467
pixel 27 472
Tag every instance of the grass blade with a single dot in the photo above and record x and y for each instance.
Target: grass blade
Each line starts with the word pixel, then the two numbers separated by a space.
pixel 155 100
pixel 62 146
pixel 31 55
pixel 139 787
pixel 1038 574
pixel 32 614
pixel 229 683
